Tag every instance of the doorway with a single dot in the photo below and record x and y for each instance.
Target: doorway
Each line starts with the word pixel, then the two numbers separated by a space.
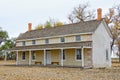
pixel 48 57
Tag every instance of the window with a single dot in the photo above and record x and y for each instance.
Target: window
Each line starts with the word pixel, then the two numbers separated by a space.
pixel 33 42
pixel 23 43
pixel 33 54
pixel 107 54
pixel 47 41
pixel 78 38
pixel 78 54
pixel 64 55
pixel 62 39
pixel 23 56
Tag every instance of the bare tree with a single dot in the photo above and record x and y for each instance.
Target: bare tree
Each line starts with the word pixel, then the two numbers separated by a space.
pixel 81 13
pixel 117 22
pixel 114 17
pixel 118 44
pixel 117 16
pixel 109 17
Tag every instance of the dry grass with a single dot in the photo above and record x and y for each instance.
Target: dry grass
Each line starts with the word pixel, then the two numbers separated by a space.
pixel 57 73
pixel 2 62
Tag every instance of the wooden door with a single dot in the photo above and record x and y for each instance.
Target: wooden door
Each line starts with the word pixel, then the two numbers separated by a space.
pixel 48 56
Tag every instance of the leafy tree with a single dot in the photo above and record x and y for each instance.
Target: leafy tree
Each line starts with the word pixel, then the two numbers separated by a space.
pixel 7 45
pixel 40 26
pixel 57 24
pixel 48 24
pixel 3 35
pixel 81 13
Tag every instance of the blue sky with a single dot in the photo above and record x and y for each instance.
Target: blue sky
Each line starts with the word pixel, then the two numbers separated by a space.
pixel 16 14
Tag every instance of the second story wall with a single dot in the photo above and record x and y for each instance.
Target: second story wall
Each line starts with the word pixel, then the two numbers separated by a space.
pixel 40 41
pixel 86 37
pixel 28 42
pixel 54 40
pixel 70 39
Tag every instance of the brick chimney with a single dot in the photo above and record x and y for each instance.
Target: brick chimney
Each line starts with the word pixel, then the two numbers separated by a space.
pixel 99 14
pixel 29 26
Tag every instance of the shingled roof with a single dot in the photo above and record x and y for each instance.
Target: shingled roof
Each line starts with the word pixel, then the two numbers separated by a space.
pixel 82 27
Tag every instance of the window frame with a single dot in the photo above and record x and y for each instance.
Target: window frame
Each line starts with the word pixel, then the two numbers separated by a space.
pixel 33 42
pixel 62 39
pixel 64 55
pixel 77 53
pixel 23 57
pixel 23 43
pixel 33 53
pixel 46 41
pixel 77 38
pixel 107 55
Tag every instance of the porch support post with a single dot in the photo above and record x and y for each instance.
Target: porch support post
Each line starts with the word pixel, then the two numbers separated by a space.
pixel 16 57
pixel 44 57
pixel 61 57
pixel 82 57
pixel 5 59
pixel 29 57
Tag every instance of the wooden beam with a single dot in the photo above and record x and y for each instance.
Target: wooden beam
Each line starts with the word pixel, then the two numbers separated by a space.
pixel 82 57
pixel 61 56
pixel 29 57
pixel 5 59
pixel 44 57
pixel 16 57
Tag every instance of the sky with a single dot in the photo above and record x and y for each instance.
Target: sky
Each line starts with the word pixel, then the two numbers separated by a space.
pixel 16 14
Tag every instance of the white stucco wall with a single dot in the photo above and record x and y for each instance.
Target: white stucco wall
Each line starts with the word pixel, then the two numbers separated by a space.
pixel 101 42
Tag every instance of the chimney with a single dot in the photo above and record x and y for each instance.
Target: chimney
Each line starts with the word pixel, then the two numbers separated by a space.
pixel 29 26
pixel 99 14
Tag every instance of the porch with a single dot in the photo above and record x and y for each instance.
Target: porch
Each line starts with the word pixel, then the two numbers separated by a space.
pixel 79 57
pixel 62 54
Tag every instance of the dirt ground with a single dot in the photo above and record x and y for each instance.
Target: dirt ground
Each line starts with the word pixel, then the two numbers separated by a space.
pixel 57 73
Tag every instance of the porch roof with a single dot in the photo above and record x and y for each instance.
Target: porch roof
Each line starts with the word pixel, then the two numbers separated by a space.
pixel 53 46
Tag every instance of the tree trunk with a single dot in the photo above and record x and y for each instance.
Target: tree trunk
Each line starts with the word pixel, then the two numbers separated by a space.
pixel 119 56
pixel 112 43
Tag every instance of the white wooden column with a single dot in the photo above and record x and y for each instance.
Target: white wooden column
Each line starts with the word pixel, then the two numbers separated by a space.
pixel 82 57
pixel 5 59
pixel 44 57
pixel 29 57
pixel 61 57
pixel 16 57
